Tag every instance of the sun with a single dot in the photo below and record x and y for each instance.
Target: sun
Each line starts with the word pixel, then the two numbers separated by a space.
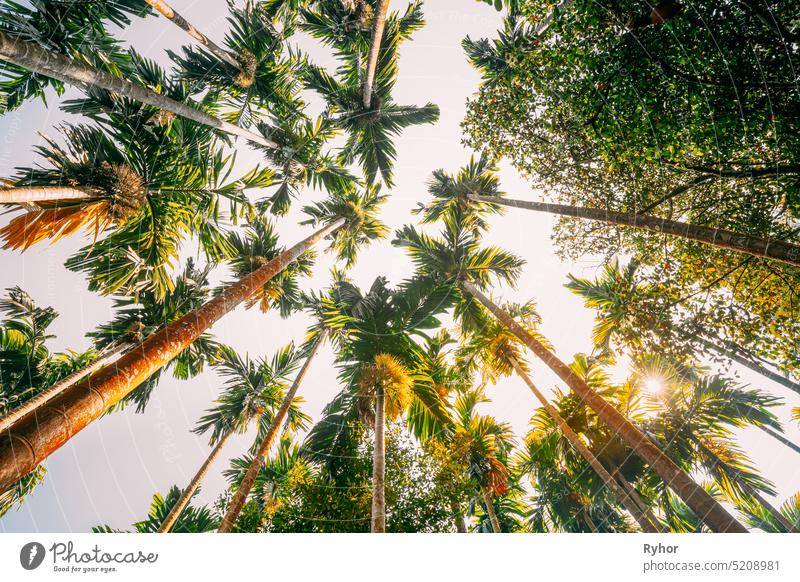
pixel 653 384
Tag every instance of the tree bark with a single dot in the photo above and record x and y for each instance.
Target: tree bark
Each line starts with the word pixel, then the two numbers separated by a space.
pixel 250 476
pixel 748 363
pixel 697 498
pixel 379 465
pixel 583 450
pixel 49 393
pixel 42 432
pixel 194 484
pixel 776 250
pixel 780 438
pixel 179 21
pixel 39 60
pixel 634 495
pixel 34 194
pixel 458 517
pixel 487 500
pixel 378 22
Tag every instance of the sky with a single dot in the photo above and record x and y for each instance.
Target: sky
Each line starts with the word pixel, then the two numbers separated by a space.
pixel 108 473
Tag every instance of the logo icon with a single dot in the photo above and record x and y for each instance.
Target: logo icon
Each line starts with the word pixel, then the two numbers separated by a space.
pixel 31 555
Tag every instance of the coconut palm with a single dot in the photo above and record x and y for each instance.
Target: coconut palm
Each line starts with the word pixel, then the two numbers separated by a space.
pixel 371 124
pixel 254 390
pixel 446 261
pixel 75 29
pixel 34 58
pixel 495 352
pixel 381 371
pixel 348 218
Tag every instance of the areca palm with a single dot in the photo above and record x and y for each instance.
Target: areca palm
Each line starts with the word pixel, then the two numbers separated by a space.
pixel 370 124
pixel 380 368
pixel 32 57
pixel 483 444
pixel 697 414
pixel 495 351
pixel 634 315
pixel 446 261
pixel 348 218
pixel 254 390
pixel 250 74
pixel 76 29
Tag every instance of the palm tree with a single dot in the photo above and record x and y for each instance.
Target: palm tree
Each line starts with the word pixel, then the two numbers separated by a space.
pixel 378 23
pixel 764 520
pixel 192 520
pixel 168 12
pixel 381 371
pixel 34 58
pixel 497 352
pixel 775 249
pixel 153 183
pixel 347 217
pixel 458 260
pixel 249 74
pixel 254 390
pixel 616 295
pixel 370 124
pixel 75 29
pixel 482 444
pixel 257 462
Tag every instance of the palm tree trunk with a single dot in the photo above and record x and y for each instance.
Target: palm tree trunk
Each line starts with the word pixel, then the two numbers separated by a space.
pixel 179 21
pixel 188 493
pixel 736 477
pixel 34 194
pixel 49 393
pixel 697 498
pixel 379 465
pixel 634 495
pixel 487 501
pixel 39 60
pixel 756 367
pixel 780 438
pixel 41 433
pixel 249 479
pixel 458 517
pixel 777 250
pixel 583 450
pixel 587 519
pixel 378 22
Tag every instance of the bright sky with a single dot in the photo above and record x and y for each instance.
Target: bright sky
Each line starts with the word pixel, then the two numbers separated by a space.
pixel 108 473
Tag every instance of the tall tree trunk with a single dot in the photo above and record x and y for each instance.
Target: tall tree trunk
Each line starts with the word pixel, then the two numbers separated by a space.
pixel 697 498
pixel 458 517
pixel 634 495
pixel 179 21
pixel 587 519
pixel 379 464
pixel 42 432
pixel 188 493
pixel 584 451
pixel 756 367
pixel 378 22
pixel 34 58
pixel 734 475
pixel 34 194
pixel 777 250
pixel 487 501
pixel 780 438
pixel 49 393
pixel 250 476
